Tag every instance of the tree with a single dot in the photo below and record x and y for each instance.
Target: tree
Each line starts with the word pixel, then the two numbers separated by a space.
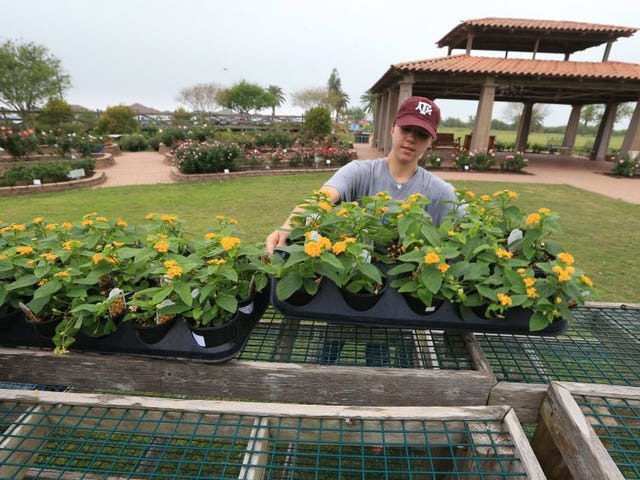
pixel 118 119
pixel 369 102
pixel 539 112
pixel 55 113
pixel 591 113
pixel 317 121
pixel 202 98
pixel 355 114
pixel 278 98
pixel 310 98
pixel 336 97
pixel 29 75
pixel 243 97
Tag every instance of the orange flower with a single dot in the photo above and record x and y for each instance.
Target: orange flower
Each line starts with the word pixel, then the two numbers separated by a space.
pixel 24 250
pixel 431 258
pixel 161 246
pixel 502 253
pixel 216 261
pixel 443 267
pixel 121 223
pixel 586 280
pixel 533 218
pixel 504 299
pixel 339 247
pixel 229 242
pixel 313 249
pixel 566 258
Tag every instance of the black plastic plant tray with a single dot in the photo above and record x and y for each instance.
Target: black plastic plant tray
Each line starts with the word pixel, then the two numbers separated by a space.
pixel 392 311
pixel 178 343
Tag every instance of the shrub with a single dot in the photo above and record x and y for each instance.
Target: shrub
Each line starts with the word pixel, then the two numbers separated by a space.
pixel 626 167
pixel 207 157
pixel 133 143
pixel 19 143
pixel 274 139
pixel 513 162
pixel 483 160
pixel 46 172
pixel 433 159
pixel 317 121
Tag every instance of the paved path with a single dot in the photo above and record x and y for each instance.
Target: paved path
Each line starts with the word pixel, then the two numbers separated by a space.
pixel 139 168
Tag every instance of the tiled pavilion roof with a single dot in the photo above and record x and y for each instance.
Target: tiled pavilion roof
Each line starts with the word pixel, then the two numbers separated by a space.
pixel 525 35
pixel 544 81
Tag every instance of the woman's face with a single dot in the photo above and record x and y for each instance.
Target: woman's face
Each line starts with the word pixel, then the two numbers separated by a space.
pixel 409 143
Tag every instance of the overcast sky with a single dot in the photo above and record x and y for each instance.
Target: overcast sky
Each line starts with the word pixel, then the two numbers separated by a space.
pixel 123 52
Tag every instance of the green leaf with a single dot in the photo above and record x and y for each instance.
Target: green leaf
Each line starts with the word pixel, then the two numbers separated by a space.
pixel 227 302
pixel 48 289
pixel 24 281
pixel 184 292
pixel 538 322
pixel 432 279
pixel 287 285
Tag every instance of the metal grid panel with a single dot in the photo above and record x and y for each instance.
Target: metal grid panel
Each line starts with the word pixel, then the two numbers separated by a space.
pixel 61 441
pixel 617 423
pixel 602 346
pixel 275 340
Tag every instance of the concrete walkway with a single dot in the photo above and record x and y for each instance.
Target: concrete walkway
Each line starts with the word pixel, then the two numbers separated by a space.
pixel 140 168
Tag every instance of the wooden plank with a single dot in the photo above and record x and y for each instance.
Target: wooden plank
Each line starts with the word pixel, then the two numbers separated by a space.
pixel 528 459
pixel 284 410
pixel 598 390
pixel 257 456
pixel 478 358
pixel 525 398
pixel 565 442
pixel 259 381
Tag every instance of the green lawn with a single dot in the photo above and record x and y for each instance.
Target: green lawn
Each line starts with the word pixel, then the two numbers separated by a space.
pixel 542 139
pixel 599 231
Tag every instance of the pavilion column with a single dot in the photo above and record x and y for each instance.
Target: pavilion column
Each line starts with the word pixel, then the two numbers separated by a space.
pixel 604 132
pixel 482 126
pixel 569 141
pixel 378 121
pixel 382 120
pixel 391 114
pixel 524 127
pixel 631 142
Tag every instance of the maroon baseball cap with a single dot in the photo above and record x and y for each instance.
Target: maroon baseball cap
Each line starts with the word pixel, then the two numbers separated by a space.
pixel 420 112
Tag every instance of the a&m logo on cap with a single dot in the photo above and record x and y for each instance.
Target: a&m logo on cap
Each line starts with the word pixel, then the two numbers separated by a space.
pixel 424 108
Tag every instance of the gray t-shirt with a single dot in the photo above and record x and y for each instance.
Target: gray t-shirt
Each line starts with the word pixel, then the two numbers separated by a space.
pixel 367 177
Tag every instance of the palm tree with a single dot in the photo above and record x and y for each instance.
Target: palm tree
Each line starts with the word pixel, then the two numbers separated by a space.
pixel 369 102
pixel 278 98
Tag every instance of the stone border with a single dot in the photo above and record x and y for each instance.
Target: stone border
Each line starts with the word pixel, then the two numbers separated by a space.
pixel 97 179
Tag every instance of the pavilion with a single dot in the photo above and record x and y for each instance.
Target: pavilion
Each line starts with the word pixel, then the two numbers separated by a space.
pixel 526 81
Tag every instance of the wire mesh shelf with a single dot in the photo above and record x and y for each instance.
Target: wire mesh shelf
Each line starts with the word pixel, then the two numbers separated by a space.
pixel 602 346
pixel 52 438
pixel 616 421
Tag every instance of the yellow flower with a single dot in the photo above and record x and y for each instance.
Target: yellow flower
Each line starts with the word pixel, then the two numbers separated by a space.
pixel 67 225
pixel 121 223
pixel 431 258
pixel 339 247
pixel 485 198
pixel 443 267
pixel 529 282
pixel 18 228
pixel 70 244
pixel 313 249
pixel 512 194
pixel 38 220
pixel 24 250
pixel 169 218
pixel 149 216
pixel 233 221
pixel 51 226
pixel 50 257
pixel 451 233
pixel 564 274
pixel 42 282
pixel 324 242
pixel 325 206
pixel 533 218
pixel 97 258
pixel 342 212
pixel 210 235
pixel 118 244
pixel 414 197
pixel 87 222
pixel 31 263
pixel 504 299
pixel 586 280
pixel 102 219
pixel 544 211
pixel 173 269
pixel 470 194
pixel 349 239
pixel 64 273
pixel 532 292
pixel 502 253
pixel 229 242
pixel 405 206
pixel 216 261
pixel 161 246
pixel 4 256
pixel 219 217
pixel 566 258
